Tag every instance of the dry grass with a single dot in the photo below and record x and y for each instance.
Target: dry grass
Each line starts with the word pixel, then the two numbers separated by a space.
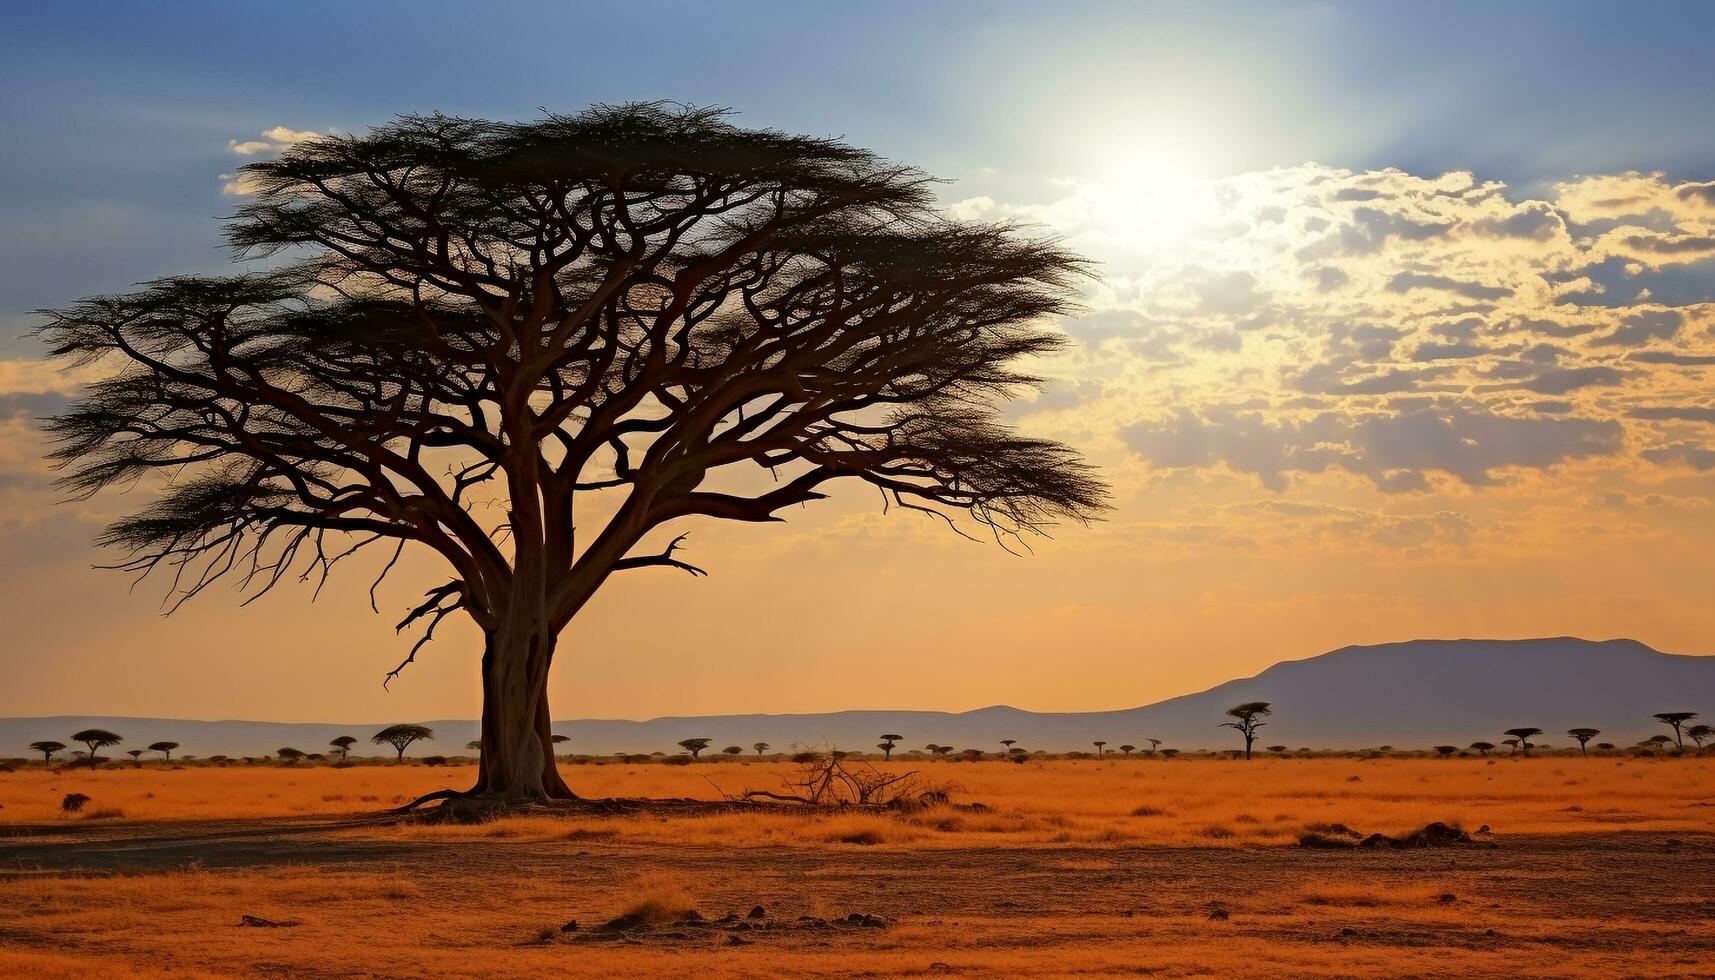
pixel 1131 801
pixel 1071 840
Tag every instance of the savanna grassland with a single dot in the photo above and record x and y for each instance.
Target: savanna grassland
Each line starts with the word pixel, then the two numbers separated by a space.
pixel 1599 866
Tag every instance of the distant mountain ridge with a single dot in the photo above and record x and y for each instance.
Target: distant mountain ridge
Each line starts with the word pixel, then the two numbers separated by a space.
pixel 1409 694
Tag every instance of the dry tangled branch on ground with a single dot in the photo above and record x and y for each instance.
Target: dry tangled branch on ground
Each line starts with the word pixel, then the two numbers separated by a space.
pixel 830 779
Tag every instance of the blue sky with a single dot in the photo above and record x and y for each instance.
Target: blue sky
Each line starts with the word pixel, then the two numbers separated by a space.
pixel 116 116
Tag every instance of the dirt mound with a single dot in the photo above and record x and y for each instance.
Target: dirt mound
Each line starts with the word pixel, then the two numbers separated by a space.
pixel 1435 834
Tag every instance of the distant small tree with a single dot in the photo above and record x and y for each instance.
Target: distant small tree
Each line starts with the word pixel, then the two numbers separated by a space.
pixel 559 739
pixel 1169 753
pixel 938 750
pixel 1154 743
pixel 1446 751
pixel 401 737
pixel 1098 746
pixel 289 756
pixel 47 749
pixel 136 757
pixel 475 745
pixel 694 745
pixel 1246 720
pixel 165 748
pixel 1700 734
pixel 1128 749
pixel 343 745
pixel 1009 743
pixel 760 748
pixel 1277 749
pixel 96 738
pixel 1483 748
pixel 1605 746
pixel 734 750
pixel 1524 735
pixel 886 745
pixel 1656 741
pixel 1512 744
pixel 1676 720
pixel 1583 737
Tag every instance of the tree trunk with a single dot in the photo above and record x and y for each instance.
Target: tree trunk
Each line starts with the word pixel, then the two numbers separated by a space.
pixel 517 739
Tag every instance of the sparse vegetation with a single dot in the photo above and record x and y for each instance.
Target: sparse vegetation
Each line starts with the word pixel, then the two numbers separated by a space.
pixel 400 737
pixel 1521 738
pixel 96 738
pixel 1247 718
pixel 165 748
pixel 1676 720
pixel 1582 736
pixel 695 746
pixel 47 749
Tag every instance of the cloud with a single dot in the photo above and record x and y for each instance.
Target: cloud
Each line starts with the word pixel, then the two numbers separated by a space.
pixel 1405 282
pixel 271 142
pixel 1392 449
pixel 1697 457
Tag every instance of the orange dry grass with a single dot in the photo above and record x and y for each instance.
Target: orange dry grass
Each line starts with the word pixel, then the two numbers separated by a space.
pixel 1120 801
pixel 1064 802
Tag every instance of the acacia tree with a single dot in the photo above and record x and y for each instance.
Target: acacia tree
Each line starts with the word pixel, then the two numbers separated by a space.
pixel 1699 734
pixel 96 738
pixel 1446 751
pixel 165 748
pixel 1128 749
pixel 401 737
pixel 1246 720
pixel 47 749
pixel 1483 748
pixel 1583 737
pixel 1100 747
pixel 886 745
pixel 1676 720
pixel 343 745
pixel 638 311
pixel 1522 737
pixel 760 748
pixel 136 757
pixel 695 745
pixel 1154 743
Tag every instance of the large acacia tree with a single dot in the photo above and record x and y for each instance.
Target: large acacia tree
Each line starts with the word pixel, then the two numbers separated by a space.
pixel 526 347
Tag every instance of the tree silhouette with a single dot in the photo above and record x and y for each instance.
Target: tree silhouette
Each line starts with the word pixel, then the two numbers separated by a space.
pixel 165 748
pixel 1246 720
pixel 136 757
pixel 96 738
pixel 938 750
pixel 886 745
pixel 695 745
pixel 1699 734
pixel 289 755
pixel 760 748
pixel 1154 743
pixel 1446 751
pixel 474 746
pixel 1483 748
pixel 1676 720
pixel 1009 743
pixel 1169 753
pixel 612 313
pixel 401 737
pixel 1128 749
pixel 1098 746
pixel 1523 737
pixel 343 745
pixel 47 749
pixel 1583 737
pixel 733 750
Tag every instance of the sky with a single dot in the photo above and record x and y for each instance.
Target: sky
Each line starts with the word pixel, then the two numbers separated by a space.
pixel 1404 327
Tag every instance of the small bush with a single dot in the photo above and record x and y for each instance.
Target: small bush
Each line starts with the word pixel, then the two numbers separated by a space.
pixel 1149 811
